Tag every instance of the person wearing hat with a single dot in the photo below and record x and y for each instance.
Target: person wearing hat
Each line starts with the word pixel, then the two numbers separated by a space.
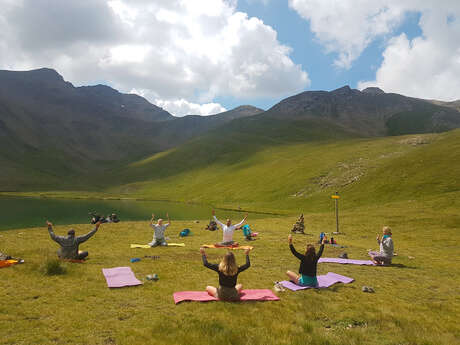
pixel 70 243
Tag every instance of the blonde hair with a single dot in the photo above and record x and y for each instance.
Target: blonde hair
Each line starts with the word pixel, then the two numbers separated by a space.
pixel 228 265
pixel 387 230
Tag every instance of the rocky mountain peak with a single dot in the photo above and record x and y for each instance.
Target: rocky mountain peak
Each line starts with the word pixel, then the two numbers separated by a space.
pixel 373 90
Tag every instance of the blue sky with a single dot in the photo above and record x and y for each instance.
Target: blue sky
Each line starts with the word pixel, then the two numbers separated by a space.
pixel 206 59
pixel 295 32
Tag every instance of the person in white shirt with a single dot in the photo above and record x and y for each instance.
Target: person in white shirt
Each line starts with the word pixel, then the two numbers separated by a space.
pixel 228 229
pixel 159 231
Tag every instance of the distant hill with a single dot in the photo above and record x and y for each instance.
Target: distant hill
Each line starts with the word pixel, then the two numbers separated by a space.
pixel 57 136
pixel 370 112
pixel 52 133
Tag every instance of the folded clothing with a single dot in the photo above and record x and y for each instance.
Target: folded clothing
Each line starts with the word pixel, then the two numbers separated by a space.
pixel 324 281
pixel 246 295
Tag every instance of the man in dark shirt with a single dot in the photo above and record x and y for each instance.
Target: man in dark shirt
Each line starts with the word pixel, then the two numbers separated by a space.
pixel 69 244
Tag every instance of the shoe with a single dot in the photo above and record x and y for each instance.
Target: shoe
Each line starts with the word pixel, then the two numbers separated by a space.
pixel 278 287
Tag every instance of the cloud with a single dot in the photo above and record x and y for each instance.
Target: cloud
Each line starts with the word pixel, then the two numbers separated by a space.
pixel 172 48
pixel 427 66
pixel 346 27
pixel 182 107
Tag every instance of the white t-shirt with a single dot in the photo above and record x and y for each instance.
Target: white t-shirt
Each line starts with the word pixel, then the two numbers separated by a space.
pixel 228 230
pixel 159 231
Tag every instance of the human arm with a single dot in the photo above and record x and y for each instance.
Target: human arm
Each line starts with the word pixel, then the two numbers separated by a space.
pixel 213 267
pixel 86 237
pixel 247 264
pixel 320 252
pixel 169 221
pixel 153 219
pixel 296 254
pixel 241 223
pixel 378 239
pixel 51 232
pixel 215 218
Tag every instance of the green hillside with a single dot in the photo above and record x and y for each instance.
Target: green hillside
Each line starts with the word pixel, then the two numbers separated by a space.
pixel 296 167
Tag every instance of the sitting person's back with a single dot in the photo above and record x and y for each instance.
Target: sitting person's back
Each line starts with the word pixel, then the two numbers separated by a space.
pixel 69 244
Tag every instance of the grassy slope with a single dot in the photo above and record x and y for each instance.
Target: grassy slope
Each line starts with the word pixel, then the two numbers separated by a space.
pixel 294 175
pixel 416 301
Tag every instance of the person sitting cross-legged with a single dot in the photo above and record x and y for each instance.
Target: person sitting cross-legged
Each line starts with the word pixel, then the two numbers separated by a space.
pixel 70 243
pixel 228 272
pixel 228 229
pixel 384 256
pixel 159 231
pixel 308 265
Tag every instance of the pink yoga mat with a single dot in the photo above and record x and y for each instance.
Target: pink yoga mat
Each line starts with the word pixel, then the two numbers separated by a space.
pixel 120 277
pixel 324 281
pixel 246 295
pixel 346 261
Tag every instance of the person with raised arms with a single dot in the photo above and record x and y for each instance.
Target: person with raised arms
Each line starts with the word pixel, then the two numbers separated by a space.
pixel 228 229
pixel 228 271
pixel 159 231
pixel 308 265
pixel 70 243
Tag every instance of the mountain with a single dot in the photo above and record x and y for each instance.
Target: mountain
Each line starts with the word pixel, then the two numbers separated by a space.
pixel 52 134
pixel 370 112
pixel 56 136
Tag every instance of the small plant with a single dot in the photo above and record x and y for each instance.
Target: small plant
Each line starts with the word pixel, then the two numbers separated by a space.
pixel 53 267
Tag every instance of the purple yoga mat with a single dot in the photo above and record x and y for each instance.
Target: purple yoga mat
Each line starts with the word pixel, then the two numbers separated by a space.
pixel 323 282
pixel 246 295
pixel 346 261
pixel 120 277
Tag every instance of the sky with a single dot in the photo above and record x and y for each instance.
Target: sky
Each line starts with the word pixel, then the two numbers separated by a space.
pixel 207 56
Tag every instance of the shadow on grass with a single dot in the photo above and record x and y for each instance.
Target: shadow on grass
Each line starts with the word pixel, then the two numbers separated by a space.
pixel 403 266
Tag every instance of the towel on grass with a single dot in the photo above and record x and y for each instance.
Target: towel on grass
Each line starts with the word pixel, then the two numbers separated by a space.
pixel 324 281
pixel 346 261
pixel 246 295
pixel 120 277
pixel 7 263
pixel 146 246
pixel 227 247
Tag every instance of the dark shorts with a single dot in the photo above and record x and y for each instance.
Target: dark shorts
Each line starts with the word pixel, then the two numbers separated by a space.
pixel 228 294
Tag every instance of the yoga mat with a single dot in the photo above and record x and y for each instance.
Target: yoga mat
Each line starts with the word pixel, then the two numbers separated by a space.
pixel 7 263
pixel 246 295
pixel 324 281
pixel 120 277
pixel 227 247
pixel 146 246
pixel 346 261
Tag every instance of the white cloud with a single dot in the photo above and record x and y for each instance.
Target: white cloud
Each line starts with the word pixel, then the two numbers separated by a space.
pixel 181 107
pixel 427 66
pixel 172 48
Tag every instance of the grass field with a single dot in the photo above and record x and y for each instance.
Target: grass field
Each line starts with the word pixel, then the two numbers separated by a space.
pixel 416 300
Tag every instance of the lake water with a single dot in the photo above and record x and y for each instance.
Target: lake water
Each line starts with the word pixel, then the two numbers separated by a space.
pixel 32 212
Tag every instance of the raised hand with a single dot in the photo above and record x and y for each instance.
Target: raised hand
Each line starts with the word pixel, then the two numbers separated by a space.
pixel 202 251
pixel 213 212
pixel 290 239
pixel 49 223
pixel 247 251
